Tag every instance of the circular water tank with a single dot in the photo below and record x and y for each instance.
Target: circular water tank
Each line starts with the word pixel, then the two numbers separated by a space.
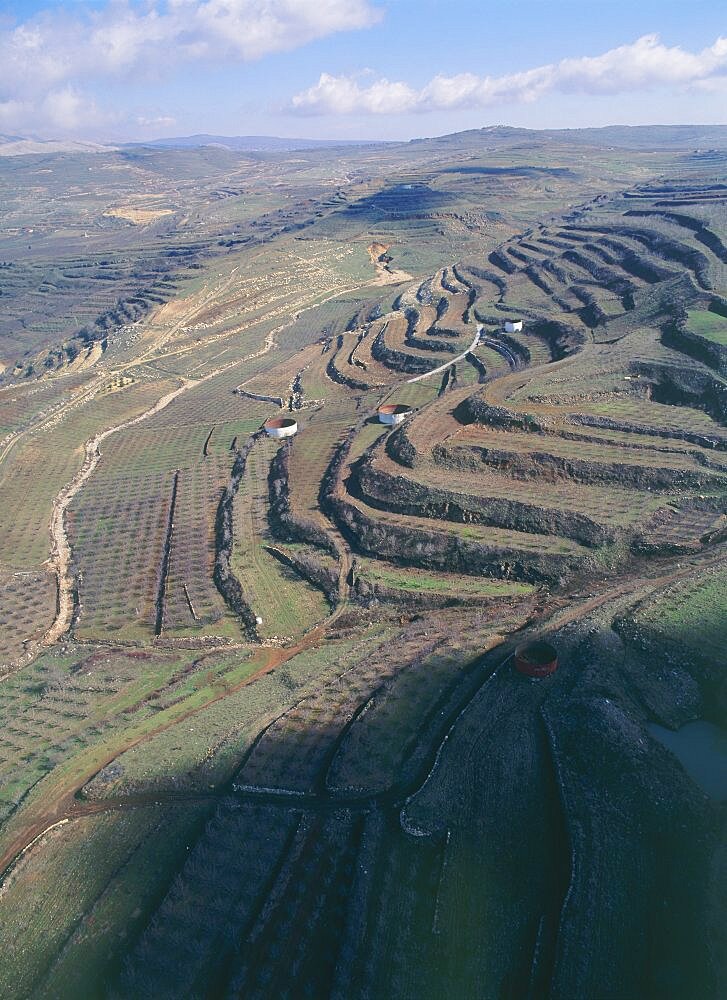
pixel 536 659
pixel 280 427
pixel 393 413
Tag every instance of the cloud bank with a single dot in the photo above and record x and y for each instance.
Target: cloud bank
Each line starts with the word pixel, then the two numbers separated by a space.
pixel 645 64
pixel 46 61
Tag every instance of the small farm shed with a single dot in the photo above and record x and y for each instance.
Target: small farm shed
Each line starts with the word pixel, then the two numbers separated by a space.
pixel 513 325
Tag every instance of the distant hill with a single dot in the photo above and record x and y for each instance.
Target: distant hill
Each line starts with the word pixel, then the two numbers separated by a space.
pixel 247 143
pixel 650 136
pixel 636 137
pixel 16 145
pixel 691 138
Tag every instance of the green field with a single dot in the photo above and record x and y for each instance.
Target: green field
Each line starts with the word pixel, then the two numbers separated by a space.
pixel 415 581
pixel 708 324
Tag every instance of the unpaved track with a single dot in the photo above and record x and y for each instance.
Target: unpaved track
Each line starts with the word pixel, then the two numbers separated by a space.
pixel 61 803
pixel 193 311
pixel 49 419
pixel 60 559
pixel 448 364
pixel 151 354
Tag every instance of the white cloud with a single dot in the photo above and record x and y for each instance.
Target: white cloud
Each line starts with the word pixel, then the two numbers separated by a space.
pixel 155 122
pixel 643 65
pixel 58 49
pixel 62 110
pixel 343 95
pixel 70 110
pixel 58 46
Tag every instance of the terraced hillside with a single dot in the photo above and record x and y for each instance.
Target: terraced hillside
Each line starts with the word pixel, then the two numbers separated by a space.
pixel 268 740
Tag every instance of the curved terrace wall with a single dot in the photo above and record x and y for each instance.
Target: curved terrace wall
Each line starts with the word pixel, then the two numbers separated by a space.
pixel 432 549
pixel 686 386
pixel 398 360
pixel 681 338
pixel 608 423
pixel 538 464
pixel 396 493
pixel 284 522
pixel 438 550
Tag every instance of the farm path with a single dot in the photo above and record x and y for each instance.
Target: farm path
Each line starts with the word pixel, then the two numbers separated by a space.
pixel 60 557
pixel 448 364
pixel 297 311
pixel 60 802
pixel 50 418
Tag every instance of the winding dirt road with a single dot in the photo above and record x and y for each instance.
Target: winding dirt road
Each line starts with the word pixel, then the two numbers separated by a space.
pixel 448 364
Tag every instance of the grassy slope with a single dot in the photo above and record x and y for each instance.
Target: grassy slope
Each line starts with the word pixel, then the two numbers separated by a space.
pixel 708 324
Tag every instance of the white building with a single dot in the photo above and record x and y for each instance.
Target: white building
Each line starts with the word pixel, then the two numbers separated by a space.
pixel 513 325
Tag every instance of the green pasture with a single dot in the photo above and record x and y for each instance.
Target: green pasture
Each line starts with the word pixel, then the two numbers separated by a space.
pixel 708 324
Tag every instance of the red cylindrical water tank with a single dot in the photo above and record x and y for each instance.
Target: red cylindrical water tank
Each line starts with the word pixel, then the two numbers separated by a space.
pixel 536 659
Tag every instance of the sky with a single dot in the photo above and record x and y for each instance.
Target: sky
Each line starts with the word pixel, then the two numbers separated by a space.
pixel 113 70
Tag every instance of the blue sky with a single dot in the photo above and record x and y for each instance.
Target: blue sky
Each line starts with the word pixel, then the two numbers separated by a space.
pixel 390 69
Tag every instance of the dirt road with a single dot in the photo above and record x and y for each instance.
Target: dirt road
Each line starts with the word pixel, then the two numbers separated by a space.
pixel 448 364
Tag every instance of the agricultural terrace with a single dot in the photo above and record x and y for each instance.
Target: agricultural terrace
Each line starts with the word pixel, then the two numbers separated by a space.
pixel 285 603
pixel 306 646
